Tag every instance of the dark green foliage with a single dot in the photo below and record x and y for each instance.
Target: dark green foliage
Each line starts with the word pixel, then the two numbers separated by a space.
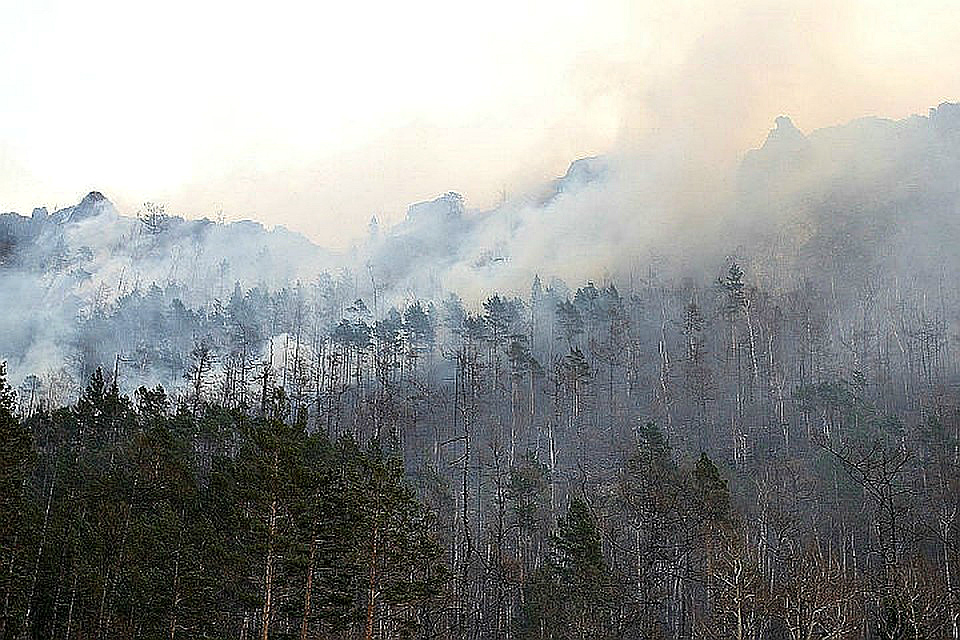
pixel 711 494
pixel 121 519
pixel 16 453
pixel 573 596
pixel 15 456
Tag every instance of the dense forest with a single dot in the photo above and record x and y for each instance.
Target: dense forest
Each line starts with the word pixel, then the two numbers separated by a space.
pixel 651 458
pixel 746 426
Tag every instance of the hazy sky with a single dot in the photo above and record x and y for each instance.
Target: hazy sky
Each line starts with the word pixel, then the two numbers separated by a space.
pixel 318 114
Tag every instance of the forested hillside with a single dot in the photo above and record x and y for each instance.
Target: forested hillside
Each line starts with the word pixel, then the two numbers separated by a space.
pixel 751 430
pixel 667 461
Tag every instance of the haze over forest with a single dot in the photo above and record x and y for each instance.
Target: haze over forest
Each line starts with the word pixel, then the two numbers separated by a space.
pixel 592 411
pixel 704 383
pixel 872 199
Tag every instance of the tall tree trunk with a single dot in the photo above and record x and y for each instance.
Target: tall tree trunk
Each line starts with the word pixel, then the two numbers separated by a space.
pixel 372 588
pixel 268 572
pixel 36 564
pixel 175 600
pixel 308 592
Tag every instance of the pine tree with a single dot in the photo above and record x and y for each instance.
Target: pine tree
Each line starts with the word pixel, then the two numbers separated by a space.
pixel 573 596
pixel 16 458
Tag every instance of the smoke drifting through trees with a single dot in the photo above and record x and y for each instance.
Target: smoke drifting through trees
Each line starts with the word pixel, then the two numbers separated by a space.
pixel 870 197
pixel 669 460
pixel 759 446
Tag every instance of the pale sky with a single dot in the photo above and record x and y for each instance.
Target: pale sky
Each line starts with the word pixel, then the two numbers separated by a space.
pixel 317 115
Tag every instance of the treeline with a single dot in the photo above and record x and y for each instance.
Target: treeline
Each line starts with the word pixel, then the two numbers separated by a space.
pixel 767 458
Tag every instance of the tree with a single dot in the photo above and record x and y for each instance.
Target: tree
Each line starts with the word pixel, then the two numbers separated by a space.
pixel 153 218
pixel 572 597
pixel 16 454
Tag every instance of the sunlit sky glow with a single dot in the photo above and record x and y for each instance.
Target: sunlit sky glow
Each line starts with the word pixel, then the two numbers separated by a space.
pixel 316 115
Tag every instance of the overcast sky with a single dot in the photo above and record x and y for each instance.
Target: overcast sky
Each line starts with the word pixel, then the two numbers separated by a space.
pixel 316 115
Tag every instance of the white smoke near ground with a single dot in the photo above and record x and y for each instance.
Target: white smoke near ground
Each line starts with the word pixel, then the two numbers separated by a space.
pixel 859 199
pixel 869 195
pixel 62 268
pixel 673 193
